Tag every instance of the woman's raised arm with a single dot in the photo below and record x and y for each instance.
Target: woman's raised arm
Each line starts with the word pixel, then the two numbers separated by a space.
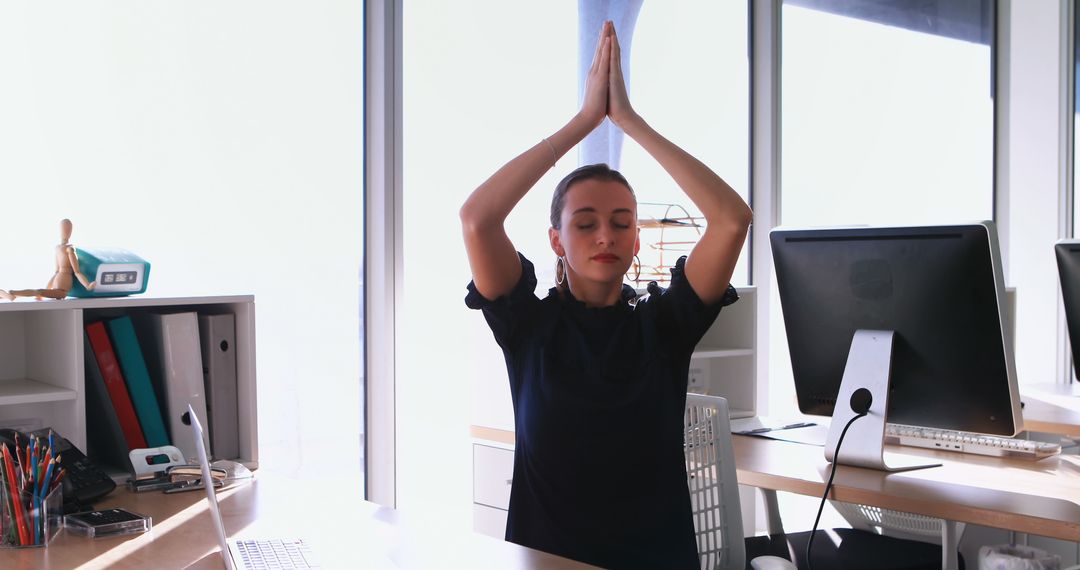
pixel 712 260
pixel 492 257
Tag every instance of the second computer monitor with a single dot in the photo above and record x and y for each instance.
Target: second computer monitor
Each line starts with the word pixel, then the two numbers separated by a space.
pixel 940 288
pixel 1068 262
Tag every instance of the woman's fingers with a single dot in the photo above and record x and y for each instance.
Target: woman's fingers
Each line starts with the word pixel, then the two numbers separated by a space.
pixel 618 104
pixel 615 66
pixel 605 55
pixel 615 62
pixel 595 100
pixel 599 45
pixel 615 50
pixel 600 77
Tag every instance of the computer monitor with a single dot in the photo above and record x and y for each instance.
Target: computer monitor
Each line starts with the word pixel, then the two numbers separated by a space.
pixel 940 288
pixel 1068 262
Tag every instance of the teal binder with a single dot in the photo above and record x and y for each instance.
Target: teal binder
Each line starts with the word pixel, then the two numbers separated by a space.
pixel 137 376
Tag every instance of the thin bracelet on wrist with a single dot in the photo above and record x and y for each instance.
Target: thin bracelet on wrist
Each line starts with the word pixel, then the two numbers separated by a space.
pixel 554 155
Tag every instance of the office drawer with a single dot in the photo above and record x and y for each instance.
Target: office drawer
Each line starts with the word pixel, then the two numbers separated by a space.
pixel 493 470
pixel 489 521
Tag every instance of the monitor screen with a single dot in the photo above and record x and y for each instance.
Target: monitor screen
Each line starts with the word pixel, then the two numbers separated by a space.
pixel 940 288
pixel 1068 262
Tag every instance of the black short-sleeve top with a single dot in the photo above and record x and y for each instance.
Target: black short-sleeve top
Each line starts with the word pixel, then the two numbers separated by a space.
pixel 599 396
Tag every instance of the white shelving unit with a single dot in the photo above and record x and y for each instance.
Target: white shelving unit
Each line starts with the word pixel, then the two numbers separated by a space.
pixel 42 375
pixel 723 364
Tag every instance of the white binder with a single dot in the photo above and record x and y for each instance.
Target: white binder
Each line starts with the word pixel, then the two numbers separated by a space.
pixel 218 338
pixel 179 365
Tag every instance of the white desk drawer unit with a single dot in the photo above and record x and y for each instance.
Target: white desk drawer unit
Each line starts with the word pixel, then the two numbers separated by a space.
pixel 489 521
pixel 494 471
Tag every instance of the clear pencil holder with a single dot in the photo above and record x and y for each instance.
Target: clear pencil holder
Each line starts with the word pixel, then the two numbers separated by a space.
pixel 34 521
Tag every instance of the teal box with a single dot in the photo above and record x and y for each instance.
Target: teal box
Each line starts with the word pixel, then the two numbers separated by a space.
pixel 116 272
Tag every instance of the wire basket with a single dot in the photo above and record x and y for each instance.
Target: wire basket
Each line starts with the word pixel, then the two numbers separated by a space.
pixel 668 232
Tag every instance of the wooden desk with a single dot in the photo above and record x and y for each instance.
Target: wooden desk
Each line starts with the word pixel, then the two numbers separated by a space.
pixel 1037 497
pixel 350 533
pixel 1052 408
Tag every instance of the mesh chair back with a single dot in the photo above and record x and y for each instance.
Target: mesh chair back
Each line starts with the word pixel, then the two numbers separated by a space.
pixel 714 488
pixel 894 523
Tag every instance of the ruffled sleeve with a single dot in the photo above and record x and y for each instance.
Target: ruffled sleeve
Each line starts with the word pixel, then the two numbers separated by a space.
pixel 510 313
pixel 682 317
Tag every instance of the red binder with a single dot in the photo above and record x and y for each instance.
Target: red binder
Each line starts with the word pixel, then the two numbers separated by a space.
pixel 114 383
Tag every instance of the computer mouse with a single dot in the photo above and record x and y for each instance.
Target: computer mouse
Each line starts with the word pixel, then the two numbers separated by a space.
pixel 234 470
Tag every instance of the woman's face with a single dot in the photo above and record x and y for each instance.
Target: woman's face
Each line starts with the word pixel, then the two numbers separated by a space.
pixel 599 234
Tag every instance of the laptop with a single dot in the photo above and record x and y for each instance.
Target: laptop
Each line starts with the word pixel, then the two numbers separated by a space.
pixel 254 553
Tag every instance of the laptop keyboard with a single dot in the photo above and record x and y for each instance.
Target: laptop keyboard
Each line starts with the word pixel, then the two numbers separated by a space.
pixel 274 554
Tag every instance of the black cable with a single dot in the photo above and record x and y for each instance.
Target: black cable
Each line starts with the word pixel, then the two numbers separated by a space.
pixel 828 485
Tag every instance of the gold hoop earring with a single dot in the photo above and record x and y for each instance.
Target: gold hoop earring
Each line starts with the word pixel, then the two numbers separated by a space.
pixel 635 266
pixel 560 272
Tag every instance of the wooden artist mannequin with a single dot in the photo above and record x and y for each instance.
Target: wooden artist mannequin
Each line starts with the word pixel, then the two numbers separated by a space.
pixel 67 264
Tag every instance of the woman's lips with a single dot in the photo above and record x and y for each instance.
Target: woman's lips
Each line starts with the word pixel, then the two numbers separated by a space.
pixel 605 258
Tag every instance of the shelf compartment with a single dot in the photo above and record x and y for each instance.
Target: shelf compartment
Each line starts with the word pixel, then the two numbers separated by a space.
pixel 25 391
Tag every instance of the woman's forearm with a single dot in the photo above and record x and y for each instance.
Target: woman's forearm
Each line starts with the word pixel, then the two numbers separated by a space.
pixel 490 204
pixel 717 201
pixel 727 217
pixel 492 256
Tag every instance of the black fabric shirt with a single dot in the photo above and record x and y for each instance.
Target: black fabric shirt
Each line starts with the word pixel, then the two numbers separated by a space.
pixel 599 397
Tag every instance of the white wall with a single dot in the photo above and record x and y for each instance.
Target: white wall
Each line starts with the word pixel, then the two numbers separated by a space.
pixel 222 142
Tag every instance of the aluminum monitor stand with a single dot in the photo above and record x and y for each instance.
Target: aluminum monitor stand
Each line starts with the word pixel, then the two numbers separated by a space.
pixel 869 365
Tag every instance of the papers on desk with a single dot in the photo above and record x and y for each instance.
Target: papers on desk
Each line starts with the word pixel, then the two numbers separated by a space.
pixel 798 431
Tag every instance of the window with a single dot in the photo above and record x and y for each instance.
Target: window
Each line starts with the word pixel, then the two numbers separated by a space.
pixel 887 112
pixel 887 118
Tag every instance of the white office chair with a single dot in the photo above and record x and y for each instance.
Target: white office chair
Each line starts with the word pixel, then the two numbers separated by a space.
pixel 889 522
pixel 714 488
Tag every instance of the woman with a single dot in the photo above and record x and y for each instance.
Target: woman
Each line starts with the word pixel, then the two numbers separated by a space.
pixel 598 385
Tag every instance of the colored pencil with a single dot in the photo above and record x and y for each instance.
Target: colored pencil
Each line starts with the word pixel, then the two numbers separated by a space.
pixel 19 452
pixel 24 535
pixel 43 493
pixel 17 506
pixel 60 471
pixel 31 513
pixel 10 534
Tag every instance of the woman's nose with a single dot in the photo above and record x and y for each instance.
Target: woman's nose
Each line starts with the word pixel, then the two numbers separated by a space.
pixel 604 237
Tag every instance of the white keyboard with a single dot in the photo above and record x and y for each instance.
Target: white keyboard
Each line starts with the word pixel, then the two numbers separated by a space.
pixel 963 442
pixel 274 554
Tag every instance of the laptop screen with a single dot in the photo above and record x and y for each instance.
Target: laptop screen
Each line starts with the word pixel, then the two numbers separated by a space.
pixel 211 495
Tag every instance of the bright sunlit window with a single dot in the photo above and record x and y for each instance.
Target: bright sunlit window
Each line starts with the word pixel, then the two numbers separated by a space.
pixel 887 117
